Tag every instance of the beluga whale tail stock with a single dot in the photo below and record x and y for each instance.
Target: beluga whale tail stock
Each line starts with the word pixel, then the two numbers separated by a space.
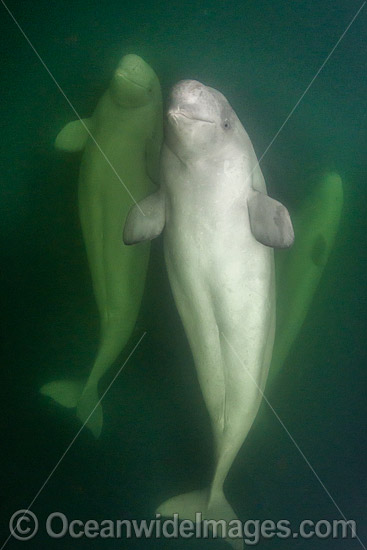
pixel 121 144
pixel 219 228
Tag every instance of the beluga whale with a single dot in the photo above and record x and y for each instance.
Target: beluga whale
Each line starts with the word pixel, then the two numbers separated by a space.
pixel 121 144
pixel 219 228
pixel 300 269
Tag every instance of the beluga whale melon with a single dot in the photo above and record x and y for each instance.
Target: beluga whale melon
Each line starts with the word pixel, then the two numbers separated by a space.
pixel 121 145
pixel 219 229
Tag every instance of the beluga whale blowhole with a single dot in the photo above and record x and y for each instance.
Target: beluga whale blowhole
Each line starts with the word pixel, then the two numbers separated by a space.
pixel 219 229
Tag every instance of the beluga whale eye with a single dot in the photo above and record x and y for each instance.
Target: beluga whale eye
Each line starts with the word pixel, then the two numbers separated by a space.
pixel 226 124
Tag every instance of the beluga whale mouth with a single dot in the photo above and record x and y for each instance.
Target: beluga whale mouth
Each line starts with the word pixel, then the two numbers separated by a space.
pixel 125 77
pixel 194 101
pixel 175 113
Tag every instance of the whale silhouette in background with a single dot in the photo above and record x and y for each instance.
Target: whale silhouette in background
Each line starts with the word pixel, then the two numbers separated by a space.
pixel 121 143
pixel 299 270
pixel 219 226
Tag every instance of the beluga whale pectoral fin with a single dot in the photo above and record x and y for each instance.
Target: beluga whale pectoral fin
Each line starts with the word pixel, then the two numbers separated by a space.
pixel 270 221
pixel 146 219
pixel 73 137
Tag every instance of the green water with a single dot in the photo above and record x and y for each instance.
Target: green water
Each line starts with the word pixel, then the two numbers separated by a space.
pixel 156 440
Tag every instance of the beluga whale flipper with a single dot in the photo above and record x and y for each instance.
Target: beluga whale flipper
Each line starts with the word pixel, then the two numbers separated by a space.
pixel 219 226
pixel 121 145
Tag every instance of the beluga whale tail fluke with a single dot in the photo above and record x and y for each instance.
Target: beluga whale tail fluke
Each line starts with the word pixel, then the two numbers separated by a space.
pixel 219 228
pixel 196 506
pixel 121 144
pixel 65 392
pixel 83 398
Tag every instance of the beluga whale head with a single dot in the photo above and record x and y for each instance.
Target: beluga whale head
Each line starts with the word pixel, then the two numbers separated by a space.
pixel 201 123
pixel 134 82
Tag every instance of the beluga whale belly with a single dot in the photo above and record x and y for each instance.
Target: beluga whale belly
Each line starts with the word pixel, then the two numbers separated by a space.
pixel 219 229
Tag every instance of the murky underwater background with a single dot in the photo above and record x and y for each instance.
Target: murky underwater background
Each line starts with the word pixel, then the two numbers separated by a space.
pixel 156 439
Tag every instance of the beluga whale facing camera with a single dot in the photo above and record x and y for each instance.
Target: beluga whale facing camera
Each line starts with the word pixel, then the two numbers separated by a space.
pixel 220 228
pixel 121 145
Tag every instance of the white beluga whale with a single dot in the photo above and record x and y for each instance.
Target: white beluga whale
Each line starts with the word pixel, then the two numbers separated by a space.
pixel 121 144
pixel 219 229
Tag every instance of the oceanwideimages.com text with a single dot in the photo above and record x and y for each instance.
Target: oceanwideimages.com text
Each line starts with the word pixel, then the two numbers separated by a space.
pixel 24 525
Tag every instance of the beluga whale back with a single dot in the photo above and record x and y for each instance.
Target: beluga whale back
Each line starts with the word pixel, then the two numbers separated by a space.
pixel 219 229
